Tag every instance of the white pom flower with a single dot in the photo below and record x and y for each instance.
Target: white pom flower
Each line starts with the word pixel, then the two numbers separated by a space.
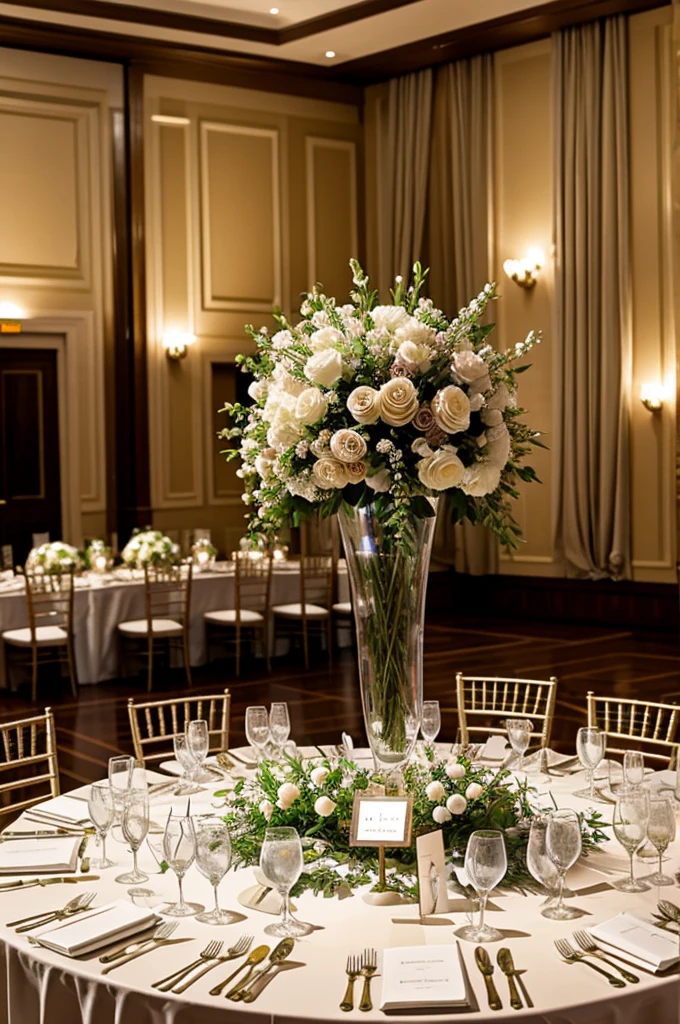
pixel 287 794
pixel 474 790
pixel 441 815
pixel 456 804
pixel 266 807
pixel 435 792
pixel 319 775
pixel 324 806
pixel 324 367
pixel 454 770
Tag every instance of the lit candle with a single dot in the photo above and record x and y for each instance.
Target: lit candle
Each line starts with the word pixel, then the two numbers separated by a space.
pixel 203 557
pixel 100 563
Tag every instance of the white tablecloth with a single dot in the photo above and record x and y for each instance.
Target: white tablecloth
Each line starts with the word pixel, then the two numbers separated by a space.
pixel 45 988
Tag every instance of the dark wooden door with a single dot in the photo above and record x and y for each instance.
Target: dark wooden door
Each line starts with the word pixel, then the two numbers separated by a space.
pixel 30 494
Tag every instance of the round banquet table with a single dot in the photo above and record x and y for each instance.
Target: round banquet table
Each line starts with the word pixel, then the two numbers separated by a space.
pixel 46 988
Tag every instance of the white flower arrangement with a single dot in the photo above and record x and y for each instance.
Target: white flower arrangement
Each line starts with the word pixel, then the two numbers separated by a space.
pixel 150 547
pixel 362 399
pixel 54 557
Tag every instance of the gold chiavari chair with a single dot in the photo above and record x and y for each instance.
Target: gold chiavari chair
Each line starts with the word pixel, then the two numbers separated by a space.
pixel 168 603
pixel 643 725
pixel 154 724
pixel 28 758
pixel 312 613
pixel 250 614
pixel 48 638
pixel 493 698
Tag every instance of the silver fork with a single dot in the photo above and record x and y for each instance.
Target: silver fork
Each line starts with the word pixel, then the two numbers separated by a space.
pixel 572 956
pixel 369 965
pixel 211 951
pixel 587 944
pixel 239 949
pixel 162 935
pixel 85 899
pixel 71 905
pixel 353 970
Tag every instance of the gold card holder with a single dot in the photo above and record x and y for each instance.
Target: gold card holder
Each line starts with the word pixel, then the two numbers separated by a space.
pixel 381 821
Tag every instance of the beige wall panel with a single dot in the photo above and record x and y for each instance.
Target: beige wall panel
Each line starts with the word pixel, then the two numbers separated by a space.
pixel 175 240
pixel 523 193
pixel 332 236
pixel 180 430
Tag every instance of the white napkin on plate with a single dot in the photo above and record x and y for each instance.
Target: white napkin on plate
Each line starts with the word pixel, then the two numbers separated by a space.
pixel 96 928
pixel 637 941
pixel 39 856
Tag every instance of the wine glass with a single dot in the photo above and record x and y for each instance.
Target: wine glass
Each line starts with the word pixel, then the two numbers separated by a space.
pixel 213 857
pixel 590 745
pixel 633 768
pixel 102 813
pixel 198 741
pixel 631 817
pixel 279 725
pixel 281 864
pixel 485 865
pixel 120 778
pixel 257 729
pixel 430 721
pixel 563 842
pixel 661 832
pixel 539 863
pixel 519 733
pixel 135 827
pixel 179 850
pixel 184 755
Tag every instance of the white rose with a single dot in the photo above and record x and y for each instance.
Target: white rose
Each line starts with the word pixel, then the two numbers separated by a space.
pixel 389 318
pixel 266 807
pixel 327 337
pixel 435 792
pixel 311 406
pixel 379 481
pixel 324 806
pixel 468 366
pixel 417 356
pixel 348 446
pixel 356 472
pixel 491 417
pixel 441 470
pixel 474 790
pixel 364 404
pixel 257 389
pixel 398 401
pixel 287 793
pixel 324 368
pixel 456 804
pixel 329 473
pixel 319 775
pixel 480 479
pixel 455 770
pixel 441 815
pixel 451 409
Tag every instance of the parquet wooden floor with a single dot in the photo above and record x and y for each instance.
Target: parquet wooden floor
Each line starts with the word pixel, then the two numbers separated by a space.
pixel 326 700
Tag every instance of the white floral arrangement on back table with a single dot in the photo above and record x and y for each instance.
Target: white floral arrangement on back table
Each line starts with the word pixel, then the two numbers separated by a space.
pixel 385 404
pixel 150 547
pixel 55 557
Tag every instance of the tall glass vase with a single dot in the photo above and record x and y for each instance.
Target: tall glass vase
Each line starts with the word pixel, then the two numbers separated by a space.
pixel 388 576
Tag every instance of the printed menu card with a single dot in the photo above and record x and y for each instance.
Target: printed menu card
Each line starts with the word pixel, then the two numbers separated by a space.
pixel 418 977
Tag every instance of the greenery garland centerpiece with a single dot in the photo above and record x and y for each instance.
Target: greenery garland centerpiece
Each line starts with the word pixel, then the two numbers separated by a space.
pixel 316 798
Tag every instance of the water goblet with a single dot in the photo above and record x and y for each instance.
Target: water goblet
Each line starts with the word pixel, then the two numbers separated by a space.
pixel 430 721
pixel 184 755
pixel 179 851
pixel 120 779
pixel 630 821
pixel 281 863
pixel 257 729
pixel 102 813
pixel 590 746
pixel 213 857
pixel 563 842
pixel 485 865
pixel 198 741
pixel 519 733
pixel 540 865
pixel 135 827
pixel 661 832
pixel 633 768
pixel 279 725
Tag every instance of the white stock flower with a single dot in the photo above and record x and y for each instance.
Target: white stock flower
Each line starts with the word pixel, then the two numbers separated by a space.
pixel 324 368
pixel 468 366
pixel 319 775
pixel 379 481
pixel 481 478
pixel 264 462
pixel 324 806
pixel 266 807
pixel 441 470
pixel 356 471
pixel 398 401
pixel 456 804
pixel 441 815
pixel 282 435
pixel 282 339
pixel 325 338
pixel 435 792
pixel 415 355
pixel 473 791
pixel 389 318
pixel 311 406
pixel 348 446
pixel 287 794
pixel 329 473
pixel 286 382
pixel 257 389
pixel 451 409
pixel 364 404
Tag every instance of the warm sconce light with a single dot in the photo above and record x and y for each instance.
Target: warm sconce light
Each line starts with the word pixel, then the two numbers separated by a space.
pixel 176 343
pixel 652 396
pixel 11 316
pixel 525 271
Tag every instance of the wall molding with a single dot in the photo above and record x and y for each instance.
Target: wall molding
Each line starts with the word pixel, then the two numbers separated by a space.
pixel 312 143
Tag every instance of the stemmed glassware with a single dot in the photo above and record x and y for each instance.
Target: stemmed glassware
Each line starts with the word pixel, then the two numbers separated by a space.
pixel 519 733
pixel 633 768
pixel 185 756
pixel 257 729
pixel 213 857
pixel 135 828
pixel 179 851
pixel 485 865
pixel 102 813
pixel 631 817
pixel 279 725
pixel 540 865
pixel 590 747
pixel 430 721
pixel 281 864
pixel 661 832
pixel 198 741
pixel 563 842
pixel 120 779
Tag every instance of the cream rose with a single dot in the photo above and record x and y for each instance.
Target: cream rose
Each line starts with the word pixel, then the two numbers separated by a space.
pixel 324 806
pixel 325 338
pixel 356 472
pixel 329 474
pixel 441 815
pixel 319 775
pixel 287 794
pixel 266 807
pixel 311 406
pixel 451 409
pixel 348 446
pixel 324 368
pixel 441 470
pixel 435 792
pixel 473 791
pixel 398 401
pixel 468 366
pixel 454 770
pixel 456 804
pixel 364 404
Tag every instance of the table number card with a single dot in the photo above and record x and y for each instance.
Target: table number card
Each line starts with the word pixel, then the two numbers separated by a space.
pixel 432 894
pixel 381 820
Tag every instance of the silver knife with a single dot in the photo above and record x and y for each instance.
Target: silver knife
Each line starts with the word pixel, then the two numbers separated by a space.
pixel 67 880
pixel 148 947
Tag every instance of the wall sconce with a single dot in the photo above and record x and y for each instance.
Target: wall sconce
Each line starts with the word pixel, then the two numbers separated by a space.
pixel 176 343
pixel 525 271
pixel 11 316
pixel 652 396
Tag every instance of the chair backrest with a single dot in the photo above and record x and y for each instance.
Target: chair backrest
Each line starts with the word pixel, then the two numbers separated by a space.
pixel 316 580
pixel 49 599
pixel 28 755
pixel 168 592
pixel 490 699
pixel 154 723
pixel 253 580
pixel 651 727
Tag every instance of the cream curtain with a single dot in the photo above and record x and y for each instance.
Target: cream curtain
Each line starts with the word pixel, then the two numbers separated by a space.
pixel 460 229
pixel 592 342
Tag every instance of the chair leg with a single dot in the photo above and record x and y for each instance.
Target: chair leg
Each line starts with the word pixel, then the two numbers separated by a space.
pixel 34 673
pixel 72 668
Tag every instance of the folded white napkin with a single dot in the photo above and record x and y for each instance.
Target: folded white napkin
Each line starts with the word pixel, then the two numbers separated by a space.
pixel 495 749
pixel 61 809
pixel 637 941
pixel 39 856
pixel 96 928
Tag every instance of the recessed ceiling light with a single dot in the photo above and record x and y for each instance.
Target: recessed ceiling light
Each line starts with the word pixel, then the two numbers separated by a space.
pixel 330 54
pixel 273 10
